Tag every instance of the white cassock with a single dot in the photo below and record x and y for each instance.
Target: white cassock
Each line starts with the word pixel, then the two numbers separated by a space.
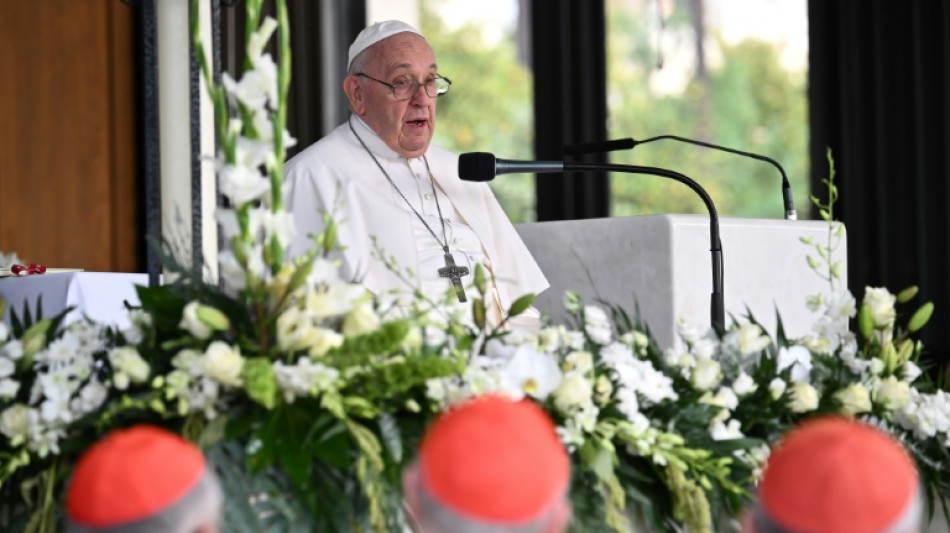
pixel 336 175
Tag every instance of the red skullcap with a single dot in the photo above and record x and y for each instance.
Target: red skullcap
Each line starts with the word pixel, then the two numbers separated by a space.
pixel 131 475
pixel 494 459
pixel 834 475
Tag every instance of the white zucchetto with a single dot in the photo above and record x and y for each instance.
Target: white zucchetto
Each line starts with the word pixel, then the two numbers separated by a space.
pixel 375 33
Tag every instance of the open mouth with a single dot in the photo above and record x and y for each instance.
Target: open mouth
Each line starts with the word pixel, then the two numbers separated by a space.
pixel 416 123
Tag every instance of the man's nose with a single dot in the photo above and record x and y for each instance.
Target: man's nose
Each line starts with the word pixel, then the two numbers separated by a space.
pixel 420 97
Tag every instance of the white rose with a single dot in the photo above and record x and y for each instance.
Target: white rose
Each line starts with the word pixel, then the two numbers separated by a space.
pixel 580 361
pixel 744 385
pixel 892 393
pixel 602 390
pixel 574 391
pixel 803 398
pixel 127 365
pixel 15 421
pixel 324 340
pixel 854 399
pixel 881 304
pixel 706 374
pixel 223 363
pixel 192 324
pixel 361 320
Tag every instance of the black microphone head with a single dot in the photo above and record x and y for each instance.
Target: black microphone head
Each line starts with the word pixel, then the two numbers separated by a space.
pixel 477 166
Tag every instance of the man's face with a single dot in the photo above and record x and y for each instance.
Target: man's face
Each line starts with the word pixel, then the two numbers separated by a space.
pixel 405 125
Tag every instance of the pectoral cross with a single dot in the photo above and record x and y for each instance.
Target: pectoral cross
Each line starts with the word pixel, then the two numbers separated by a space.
pixel 454 273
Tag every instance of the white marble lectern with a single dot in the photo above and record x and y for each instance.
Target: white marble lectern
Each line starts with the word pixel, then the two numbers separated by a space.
pixel 662 263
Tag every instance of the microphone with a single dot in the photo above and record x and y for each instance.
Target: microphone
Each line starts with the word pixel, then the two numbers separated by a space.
pixel 629 144
pixel 483 166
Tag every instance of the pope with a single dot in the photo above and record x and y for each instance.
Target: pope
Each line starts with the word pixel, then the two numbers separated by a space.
pixel 395 195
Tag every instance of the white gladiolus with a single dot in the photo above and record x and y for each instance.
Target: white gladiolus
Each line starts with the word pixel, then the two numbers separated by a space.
pixel 223 363
pixel 802 398
pixel 242 184
pixel 4 331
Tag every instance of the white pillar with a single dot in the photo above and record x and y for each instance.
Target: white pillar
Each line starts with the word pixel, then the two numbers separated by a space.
pixel 174 96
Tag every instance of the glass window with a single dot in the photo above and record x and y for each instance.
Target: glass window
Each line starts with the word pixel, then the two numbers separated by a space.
pixel 489 106
pixel 729 72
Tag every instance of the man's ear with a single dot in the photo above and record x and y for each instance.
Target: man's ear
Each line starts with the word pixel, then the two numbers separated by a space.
pixel 354 92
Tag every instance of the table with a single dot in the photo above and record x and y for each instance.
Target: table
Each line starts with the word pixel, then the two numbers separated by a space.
pixel 101 296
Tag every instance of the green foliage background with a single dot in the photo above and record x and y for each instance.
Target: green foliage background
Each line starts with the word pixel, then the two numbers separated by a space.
pixel 748 101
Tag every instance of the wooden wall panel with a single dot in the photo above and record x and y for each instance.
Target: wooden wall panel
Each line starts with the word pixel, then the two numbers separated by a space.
pixel 67 167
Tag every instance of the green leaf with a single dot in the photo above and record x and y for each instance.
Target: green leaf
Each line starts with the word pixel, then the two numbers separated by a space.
pixel 260 381
pixel 479 277
pixel 478 312
pixel 521 305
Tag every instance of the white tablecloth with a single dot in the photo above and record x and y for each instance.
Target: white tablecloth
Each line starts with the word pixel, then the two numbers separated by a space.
pixel 97 295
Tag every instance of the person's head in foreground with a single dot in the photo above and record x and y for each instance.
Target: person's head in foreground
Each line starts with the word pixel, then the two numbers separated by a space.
pixel 143 480
pixel 837 475
pixel 393 83
pixel 490 465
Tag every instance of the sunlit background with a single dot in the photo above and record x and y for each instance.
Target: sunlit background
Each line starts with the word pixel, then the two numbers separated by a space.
pixel 734 75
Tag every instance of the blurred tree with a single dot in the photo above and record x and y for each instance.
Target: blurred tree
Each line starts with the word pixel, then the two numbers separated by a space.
pixel 744 99
pixel 488 108
pixel 754 104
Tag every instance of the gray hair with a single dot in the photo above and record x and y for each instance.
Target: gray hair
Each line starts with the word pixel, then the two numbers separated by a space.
pixel 908 521
pixel 199 507
pixel 434 517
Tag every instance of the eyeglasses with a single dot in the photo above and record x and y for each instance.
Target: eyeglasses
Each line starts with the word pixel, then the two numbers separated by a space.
pixel 405 89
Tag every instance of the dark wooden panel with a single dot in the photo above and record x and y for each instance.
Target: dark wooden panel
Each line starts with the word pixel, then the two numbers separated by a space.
pixel 67 169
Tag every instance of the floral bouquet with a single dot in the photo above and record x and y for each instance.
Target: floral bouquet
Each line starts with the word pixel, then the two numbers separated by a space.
pixel 309 395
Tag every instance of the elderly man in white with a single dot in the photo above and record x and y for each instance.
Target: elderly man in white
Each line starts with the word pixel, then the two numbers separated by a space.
pixel 380 178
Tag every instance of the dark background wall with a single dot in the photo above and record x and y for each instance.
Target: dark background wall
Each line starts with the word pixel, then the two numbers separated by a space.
pixel 879 91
